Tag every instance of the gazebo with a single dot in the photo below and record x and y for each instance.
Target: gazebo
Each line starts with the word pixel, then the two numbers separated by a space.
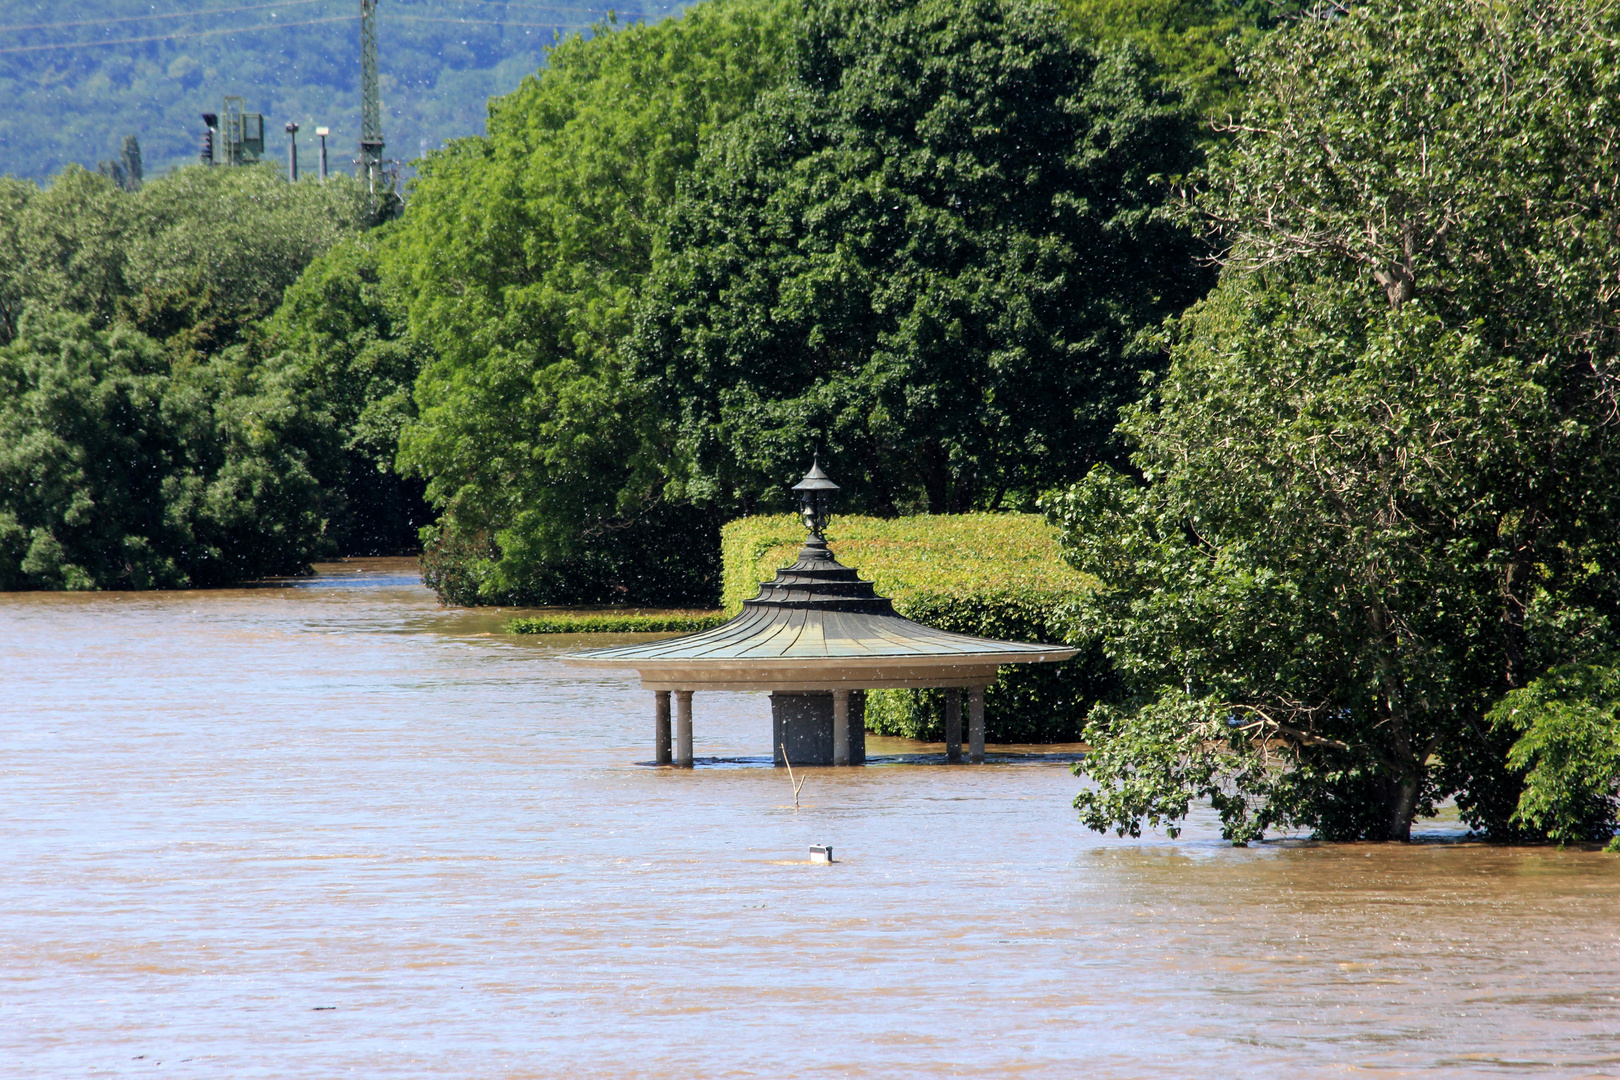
pixel 817 638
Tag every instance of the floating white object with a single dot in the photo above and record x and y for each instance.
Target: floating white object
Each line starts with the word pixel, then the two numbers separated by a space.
pixel 821 853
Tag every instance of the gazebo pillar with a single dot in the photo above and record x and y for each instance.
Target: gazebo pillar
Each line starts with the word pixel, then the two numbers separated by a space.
pixel 683 729
pixel 976 724
pixel 953 724
pixel 661 727
pixel 840 727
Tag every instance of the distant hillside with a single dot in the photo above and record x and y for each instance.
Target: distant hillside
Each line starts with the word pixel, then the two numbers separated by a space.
pixel 75 78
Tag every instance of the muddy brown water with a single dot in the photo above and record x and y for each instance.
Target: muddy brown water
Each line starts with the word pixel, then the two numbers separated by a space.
pixel 332 829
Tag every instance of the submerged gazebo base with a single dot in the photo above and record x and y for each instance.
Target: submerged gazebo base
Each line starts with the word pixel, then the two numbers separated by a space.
pixel 816 727
pixel 806 728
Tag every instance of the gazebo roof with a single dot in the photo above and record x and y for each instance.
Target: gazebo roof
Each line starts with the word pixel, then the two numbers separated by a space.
pixel 818 626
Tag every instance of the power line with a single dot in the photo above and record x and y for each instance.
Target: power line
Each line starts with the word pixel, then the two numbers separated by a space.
pixel 167 15
pixel 471 22
pixel 175 37
pixel 528 7
pixel 286 4
pixel 226 31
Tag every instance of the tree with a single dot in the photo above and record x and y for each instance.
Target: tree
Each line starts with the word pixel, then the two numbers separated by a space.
pixel 118 472
pixel 197 246
pixel 14 196
pixel 126 171
pixel 1195 43
pixel 72 246
pixel 518 258
pixel 148 436
pixel 1568 723
pixel 343 332
pixel 927 255
pixel 1380 483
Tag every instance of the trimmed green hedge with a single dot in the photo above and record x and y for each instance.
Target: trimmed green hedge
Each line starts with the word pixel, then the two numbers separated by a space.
pixel 571 622
pixel 992 575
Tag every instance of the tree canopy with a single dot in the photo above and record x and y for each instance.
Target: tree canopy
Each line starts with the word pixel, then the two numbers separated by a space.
pixel 119 469
pixel 1195 43
pixel 146 440
pixel 520 256
pixel 927 254
pixel 1379 483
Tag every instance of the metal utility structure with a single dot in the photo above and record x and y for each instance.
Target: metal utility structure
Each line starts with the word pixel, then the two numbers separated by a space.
pixel 818 637
pixel 321 133
pixel 210 140
pixel 371 135
pixel 241 133
pixel 292 151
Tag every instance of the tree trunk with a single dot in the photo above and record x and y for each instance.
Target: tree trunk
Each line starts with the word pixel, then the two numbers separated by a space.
pixel 1400 799
pixel 1402 802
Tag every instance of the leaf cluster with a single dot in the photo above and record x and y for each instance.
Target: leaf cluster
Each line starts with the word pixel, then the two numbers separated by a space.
pixel 149 437
pixel 519 258
pixel 1377 489
pixel 927 254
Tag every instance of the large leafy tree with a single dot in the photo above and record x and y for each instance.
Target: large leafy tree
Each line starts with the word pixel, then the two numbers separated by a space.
pixel 342 331
pixel 147 435
pixel 119 470
pixel 1380 484
pixel 519 258
pixel 926 255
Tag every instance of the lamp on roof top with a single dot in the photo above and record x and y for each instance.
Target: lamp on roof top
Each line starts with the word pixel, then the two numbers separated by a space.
pixel 816 493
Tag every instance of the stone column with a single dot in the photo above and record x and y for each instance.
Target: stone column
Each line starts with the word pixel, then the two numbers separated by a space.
pixel 683 729
pixel 976 724
pixel 953 724
pixel 661 727
pixel 840 727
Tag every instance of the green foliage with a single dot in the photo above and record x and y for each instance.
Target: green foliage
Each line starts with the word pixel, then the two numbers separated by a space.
pixel 439 64
pixel 198 253
pixel 990 575
pixel 1568 747
pixel 1150 762
pixel 117 471
pixel 910 559
pixel 926 254
pixel 244 234
pixel 573 622
pixel 343 329
pixel 1195 43
pixel 519 257
pixel 1380 484
pixel 148 439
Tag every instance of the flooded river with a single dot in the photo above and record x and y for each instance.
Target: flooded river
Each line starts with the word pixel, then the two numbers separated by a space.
pixel 335 830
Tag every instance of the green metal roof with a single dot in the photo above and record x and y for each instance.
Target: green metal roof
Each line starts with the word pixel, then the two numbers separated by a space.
pixel 816 611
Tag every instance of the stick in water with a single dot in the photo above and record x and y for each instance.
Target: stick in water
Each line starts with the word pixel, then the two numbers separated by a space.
pixel 797 784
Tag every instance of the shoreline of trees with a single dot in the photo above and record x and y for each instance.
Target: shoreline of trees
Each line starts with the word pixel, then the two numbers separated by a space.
pixel 1323 390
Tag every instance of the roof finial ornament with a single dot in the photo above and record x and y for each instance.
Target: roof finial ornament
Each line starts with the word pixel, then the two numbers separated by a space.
pixel 816 493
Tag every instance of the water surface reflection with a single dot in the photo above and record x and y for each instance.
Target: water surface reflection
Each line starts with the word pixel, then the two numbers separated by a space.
pixel 319 830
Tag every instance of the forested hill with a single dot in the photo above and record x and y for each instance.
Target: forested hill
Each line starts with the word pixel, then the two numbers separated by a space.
pixel 76 78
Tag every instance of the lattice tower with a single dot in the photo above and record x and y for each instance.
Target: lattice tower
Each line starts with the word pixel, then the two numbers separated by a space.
pixel 371 133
